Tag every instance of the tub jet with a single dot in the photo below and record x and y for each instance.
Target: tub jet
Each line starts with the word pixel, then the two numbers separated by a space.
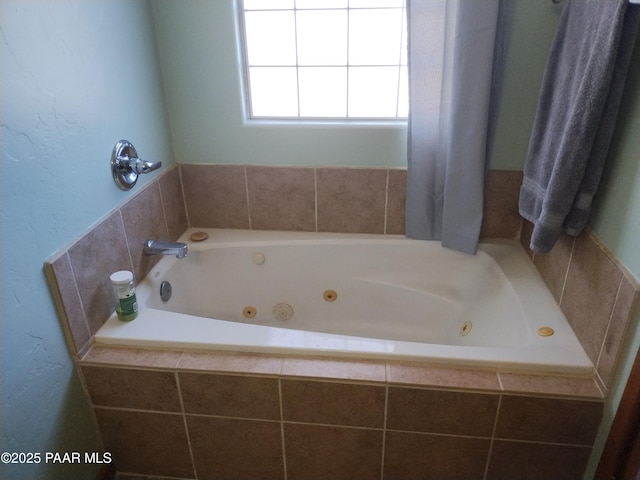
pixel 282 311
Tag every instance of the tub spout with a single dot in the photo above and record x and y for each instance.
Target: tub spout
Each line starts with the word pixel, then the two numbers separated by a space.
pixel 155 247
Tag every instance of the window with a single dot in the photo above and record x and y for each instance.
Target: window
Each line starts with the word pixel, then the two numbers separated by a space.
pixel 325 59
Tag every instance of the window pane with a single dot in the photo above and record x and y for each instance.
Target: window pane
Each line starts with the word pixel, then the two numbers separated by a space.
pixel 271 38
pixel 403 93
pixel 323 91
pixel 375 3
pixel 373 91
pixel 322 37
pixel 274 92
pixel 267 4
pixel 375 36
pixel 404 41
pixel 321 4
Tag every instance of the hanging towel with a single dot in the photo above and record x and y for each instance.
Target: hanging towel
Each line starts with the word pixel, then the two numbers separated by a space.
pixel 577 109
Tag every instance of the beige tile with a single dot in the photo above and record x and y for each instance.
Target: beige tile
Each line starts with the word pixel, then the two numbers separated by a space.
pixel 334 369
pixel 548 420
pixel 434 457
pixel 351 200
pixel 215 195
pixel 230 449
pixel 336 453
pixel 525 236
pixel 282 198
pixel 144 220
pixel 131 388
pixel 231 362
pixel 173 203
pixel 102 251
pixel 333 403
pixel 501 218
pixel 67 299
pixel 396 199
pixel 590 292
pixel 146 443
pixel 441 377
pixel 230 395
pixel 439 411
pixel 626 304
pixel 550 385
pixel 137 357
pixel 553 266
pixel 533 461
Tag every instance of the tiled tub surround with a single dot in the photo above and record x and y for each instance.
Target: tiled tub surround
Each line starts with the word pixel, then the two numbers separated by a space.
pixel 146 421
pixel 237 416
pixel 595 292
pixel 351 200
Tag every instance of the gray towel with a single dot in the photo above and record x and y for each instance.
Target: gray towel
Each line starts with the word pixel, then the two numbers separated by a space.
pixel 577 109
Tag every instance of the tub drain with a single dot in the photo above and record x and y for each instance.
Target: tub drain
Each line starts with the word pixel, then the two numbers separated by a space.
pixel 282 311
pixel 465 329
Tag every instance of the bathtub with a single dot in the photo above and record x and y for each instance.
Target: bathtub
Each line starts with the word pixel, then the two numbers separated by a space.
pixel 354 295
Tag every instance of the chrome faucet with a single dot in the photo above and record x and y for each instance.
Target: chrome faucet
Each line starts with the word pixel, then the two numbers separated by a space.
pixel 156 247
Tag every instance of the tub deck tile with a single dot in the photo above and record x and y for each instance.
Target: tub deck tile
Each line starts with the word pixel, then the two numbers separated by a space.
pixel 231 362
pixel 550 385
pixel 136 357
pixel 433 376
pixel 334 369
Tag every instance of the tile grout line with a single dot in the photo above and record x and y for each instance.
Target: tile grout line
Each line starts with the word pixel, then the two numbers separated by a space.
pixel 184 421
pixel 566 273
pixel 184 196
pixel 609 321
pixel 246 189
pixel 162 207
pixel 493 437
pixel 386 203
pixel 81 303
pixel 384 429
pixel 126 240
pixel 315 196
pixel 284 450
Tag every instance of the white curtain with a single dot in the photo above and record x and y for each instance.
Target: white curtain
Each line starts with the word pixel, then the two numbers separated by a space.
pixel 451 65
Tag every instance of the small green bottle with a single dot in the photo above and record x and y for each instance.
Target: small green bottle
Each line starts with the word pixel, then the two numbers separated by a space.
pixel 125 295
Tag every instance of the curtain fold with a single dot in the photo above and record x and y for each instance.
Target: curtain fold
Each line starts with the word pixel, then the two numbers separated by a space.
pixel 451 65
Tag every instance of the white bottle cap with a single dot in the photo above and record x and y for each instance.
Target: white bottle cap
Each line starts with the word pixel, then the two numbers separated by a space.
pixel 121 277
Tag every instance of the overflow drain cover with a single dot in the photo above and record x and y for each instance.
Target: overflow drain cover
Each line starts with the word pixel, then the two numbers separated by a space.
pixel 282 311
pixel 165 291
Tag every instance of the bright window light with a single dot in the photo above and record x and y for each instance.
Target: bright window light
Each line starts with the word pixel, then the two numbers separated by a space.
pixel 325 59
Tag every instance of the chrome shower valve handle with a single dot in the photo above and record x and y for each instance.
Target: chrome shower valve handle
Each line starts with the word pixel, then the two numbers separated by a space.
pixel 126 166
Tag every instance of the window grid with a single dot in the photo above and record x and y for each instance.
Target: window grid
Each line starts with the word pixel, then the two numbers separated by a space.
pixel 347 66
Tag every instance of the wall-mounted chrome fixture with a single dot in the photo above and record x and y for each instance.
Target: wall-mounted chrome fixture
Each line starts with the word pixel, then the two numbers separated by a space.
pixel 126 166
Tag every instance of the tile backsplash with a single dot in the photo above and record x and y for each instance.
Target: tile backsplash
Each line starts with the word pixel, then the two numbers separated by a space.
pixel 595 292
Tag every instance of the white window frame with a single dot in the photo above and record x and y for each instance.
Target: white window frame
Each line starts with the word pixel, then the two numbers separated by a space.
pixel 246 87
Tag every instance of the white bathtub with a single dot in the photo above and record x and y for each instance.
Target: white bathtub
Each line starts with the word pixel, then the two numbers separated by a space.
pixel 367 296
